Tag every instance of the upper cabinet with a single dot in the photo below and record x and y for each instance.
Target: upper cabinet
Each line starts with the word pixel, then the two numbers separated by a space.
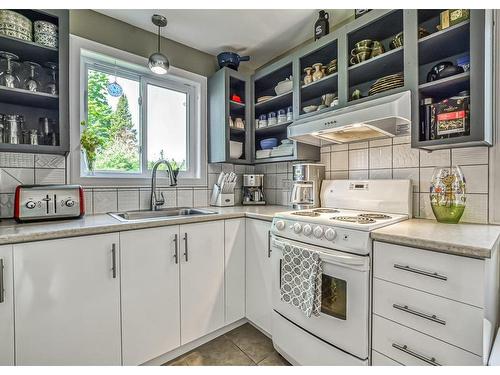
pixel 34 106
pixel 384 52
pixel 453 97
pixel 229 117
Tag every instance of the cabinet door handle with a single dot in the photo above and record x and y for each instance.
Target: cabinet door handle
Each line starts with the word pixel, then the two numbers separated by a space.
pixel 432 361
pixel 420 272
pixel 269 251
pixel 2 291
pixel 113 260
pixel 430 317
pixel 176 250
pixel 186 246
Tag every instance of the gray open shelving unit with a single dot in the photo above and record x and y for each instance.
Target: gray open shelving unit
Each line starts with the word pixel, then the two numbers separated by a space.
pixel 33 105
pixel 414 59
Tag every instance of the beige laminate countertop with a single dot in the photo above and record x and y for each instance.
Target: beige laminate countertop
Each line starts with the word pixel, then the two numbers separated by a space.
pixel 12 232
pixel 471 240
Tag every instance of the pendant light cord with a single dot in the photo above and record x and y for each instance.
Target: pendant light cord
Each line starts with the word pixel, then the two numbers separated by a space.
pixel 159 38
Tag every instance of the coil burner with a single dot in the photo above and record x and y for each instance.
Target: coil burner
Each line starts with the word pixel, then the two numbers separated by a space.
pixel 354 219
pixel 375 216
pixel 305 213
pixel 326 211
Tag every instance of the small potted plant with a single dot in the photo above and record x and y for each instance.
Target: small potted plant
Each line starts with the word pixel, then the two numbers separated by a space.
pixel 90 144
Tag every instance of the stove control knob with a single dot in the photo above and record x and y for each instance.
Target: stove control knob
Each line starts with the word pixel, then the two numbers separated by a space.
pixel 330 234
pixel 318 232
pixel 307 230
pixel 30 204
pixel 297 228
pixel 280 225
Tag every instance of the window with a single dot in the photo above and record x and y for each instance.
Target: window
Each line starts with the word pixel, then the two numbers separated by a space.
pixel 155 117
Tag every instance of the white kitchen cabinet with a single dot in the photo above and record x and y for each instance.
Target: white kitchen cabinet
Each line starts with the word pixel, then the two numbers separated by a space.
pixel 150 293
pixel 67 301
pixel 6 307
pixel 234 283
pixel 258 274
pixel 202 279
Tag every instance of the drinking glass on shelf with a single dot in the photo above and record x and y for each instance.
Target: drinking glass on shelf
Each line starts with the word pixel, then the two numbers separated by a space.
pixel 8 77
pixel 31 83
pixel 51 86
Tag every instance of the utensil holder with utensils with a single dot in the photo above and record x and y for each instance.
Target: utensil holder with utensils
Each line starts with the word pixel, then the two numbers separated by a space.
pixel 223 190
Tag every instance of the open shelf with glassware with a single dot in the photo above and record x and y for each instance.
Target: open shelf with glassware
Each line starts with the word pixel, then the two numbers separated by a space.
pixel 34 107
pixel 451 75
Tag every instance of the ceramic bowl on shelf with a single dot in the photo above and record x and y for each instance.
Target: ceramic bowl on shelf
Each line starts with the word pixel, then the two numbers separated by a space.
pixel 284 86
pixel 15 25
pixel 268 143
pixel 310 108
pixel 235 149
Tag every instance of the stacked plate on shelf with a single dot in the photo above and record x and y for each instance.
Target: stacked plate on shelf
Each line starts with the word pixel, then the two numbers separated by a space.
pixel 15 25
pixel 387 83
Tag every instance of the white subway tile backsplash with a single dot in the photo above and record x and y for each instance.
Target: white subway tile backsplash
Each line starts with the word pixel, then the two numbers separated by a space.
pixel 200 198
pixel 49 161
pixel 404 156
pixel 358 145
pixel 425 207
pixel 342 147
pixel 281 180
pixel 425 179
pixel 380 157
pixel 239 169
pixel 11 177
pixel 469 155
pixel 271 168
pixel 214 168
pixel 339 175
pixel 408 173
pixel 270 181
pixel 476 209
pixel 437 158
pixel 50 176
pixel 170 196
pixel 226 167
pixel 339 161
pixel 89 207
pixel 185 197
pixel 128 199
pixel 381 142
pixel 380 174
pixel 270 195
pixel 325 160
pixel 401 139
pixel 6 205
pixel 16 160
pixel 358 175
pixel 105 201
pixel 476 178
pixel 282 167
pixel 416 205
pixel 358 159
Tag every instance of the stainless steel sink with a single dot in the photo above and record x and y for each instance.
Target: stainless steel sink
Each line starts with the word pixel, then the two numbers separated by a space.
pixel 167 213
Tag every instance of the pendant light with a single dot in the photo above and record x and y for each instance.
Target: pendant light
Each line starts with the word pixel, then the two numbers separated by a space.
pixel 158 63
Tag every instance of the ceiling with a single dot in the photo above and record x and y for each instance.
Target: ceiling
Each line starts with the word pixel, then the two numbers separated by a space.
pixel 262 34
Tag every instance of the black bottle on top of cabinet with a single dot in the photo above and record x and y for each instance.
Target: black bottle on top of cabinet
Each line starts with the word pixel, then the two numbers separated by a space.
pixel 321 27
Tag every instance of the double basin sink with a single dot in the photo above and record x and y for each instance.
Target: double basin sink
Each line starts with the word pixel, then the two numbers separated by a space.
pixel 166 213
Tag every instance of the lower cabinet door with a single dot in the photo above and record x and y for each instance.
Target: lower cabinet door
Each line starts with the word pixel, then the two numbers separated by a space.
pixel 150 293
pixel 234 283
pixel 259 275
pixel 67 301
pixel 6 307
pixel 202 279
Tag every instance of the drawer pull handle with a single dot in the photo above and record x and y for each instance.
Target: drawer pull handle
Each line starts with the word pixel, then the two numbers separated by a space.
pixel 113 260
pixel 176 251
pixel 432 361
pixel 2 291
pixel 421 272
pixel 406 309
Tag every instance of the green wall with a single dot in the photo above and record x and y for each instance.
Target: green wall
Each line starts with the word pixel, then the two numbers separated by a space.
pixel 112 32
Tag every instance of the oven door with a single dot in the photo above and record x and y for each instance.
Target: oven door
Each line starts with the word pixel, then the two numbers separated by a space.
pixel 344 317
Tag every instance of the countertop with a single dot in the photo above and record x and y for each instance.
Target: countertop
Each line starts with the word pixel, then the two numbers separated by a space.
pixel 471 240
pixel 12 232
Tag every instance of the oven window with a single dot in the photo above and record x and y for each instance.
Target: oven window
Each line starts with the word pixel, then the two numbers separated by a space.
pixel 334 297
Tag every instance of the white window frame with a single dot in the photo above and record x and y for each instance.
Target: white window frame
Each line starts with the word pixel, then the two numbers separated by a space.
pixel 83 54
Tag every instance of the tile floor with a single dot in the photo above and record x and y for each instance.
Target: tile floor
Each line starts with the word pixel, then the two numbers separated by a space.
pixel 243 346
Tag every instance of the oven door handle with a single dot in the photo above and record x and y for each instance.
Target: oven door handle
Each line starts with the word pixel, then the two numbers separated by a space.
pixel 357 262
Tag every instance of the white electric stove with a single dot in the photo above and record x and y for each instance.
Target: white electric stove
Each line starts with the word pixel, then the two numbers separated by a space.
pixel 339 232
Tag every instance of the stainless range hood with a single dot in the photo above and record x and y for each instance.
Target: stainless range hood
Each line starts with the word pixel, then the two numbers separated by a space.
pixel 388 116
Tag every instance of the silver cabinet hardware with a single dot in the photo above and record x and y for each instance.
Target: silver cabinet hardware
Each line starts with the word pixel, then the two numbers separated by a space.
pixel 420 272
pixel 186 246
pixel 269 244
pixel 176 251
pixel 406 309
pixel 432 361
pixel 2 291
pixel 113 260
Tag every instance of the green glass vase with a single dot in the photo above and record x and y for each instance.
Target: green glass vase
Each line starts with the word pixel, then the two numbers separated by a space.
pixel 447 194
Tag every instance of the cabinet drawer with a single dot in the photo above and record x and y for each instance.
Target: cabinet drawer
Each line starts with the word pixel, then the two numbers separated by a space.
pixel 412 348
pixel 381 360
pixel 450 276
pixel 436 316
